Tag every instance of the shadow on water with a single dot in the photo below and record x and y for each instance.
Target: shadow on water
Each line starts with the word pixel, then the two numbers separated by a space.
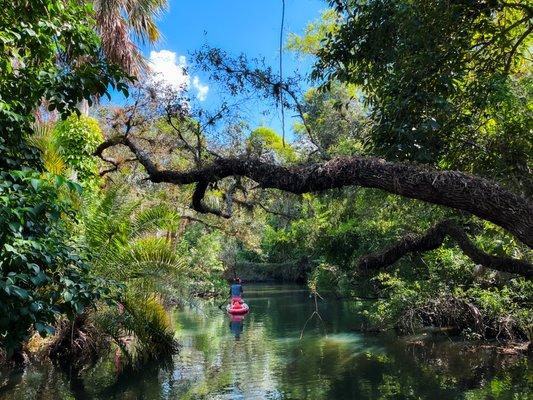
pixel 261 356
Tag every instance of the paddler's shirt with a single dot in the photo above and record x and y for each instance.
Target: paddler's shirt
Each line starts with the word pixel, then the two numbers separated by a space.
pixel 236 289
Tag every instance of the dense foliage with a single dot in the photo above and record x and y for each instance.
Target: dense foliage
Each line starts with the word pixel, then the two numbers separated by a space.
pixel 433 82
pixel 49 59
pixel 433 74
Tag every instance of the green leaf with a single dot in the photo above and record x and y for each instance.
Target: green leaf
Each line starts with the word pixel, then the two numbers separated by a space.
pixel 39 279
pixel 75 187
pixel 15 227
pixel 67 296
pixel 35 267
pixel 38 209
pixel 10 248
pixel 79 308
pixel 36 184
pixel 44 329
pixel 21 293
pixel 59 180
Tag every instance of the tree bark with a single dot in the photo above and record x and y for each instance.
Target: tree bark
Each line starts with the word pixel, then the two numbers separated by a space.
pixel 433 239
pixel 478 196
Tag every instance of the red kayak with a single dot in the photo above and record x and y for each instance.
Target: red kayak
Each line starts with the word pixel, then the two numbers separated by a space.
pixel 237 308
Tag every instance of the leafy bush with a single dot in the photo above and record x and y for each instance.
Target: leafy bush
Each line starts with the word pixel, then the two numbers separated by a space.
pixel 77 137
pixel 264 140
pixel 42 274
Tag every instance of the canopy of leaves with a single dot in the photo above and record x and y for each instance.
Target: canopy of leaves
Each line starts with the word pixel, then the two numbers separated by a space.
pixel 428 69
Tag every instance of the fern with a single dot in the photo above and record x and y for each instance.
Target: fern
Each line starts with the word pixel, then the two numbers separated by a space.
pixel 124 248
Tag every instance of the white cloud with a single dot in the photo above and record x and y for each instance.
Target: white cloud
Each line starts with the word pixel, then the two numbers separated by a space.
pixel 170 71
pixel 201 89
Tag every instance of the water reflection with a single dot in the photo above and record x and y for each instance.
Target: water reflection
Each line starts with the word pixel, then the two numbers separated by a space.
pixel 222 359
pixel 236 325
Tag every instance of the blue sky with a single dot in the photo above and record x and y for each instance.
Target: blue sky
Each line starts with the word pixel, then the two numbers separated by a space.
pixel 237 26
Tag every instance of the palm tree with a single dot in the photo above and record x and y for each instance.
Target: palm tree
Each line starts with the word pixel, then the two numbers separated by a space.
pixel 123 24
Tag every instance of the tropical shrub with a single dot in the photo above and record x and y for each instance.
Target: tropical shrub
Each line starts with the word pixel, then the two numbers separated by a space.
pixel 42 274
pixel 140 328
pixel 76 138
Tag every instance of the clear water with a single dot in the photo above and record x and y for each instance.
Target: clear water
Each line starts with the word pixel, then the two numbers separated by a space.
pixel 267 355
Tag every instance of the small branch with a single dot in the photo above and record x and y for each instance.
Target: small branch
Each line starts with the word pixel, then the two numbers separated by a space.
pixel 249 205
pixel 201 221
pixel 186 144
pixel 116 164
pixel 482 45
pixel 315 312
pixel 522 37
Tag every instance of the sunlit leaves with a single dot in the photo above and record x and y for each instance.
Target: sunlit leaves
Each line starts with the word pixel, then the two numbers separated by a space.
pixel 427 69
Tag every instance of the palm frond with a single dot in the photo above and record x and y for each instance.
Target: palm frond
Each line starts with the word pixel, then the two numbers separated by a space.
pixel 107 220
pixel 147 259
pixel 44 140
pixel 121 23
pixel 159 216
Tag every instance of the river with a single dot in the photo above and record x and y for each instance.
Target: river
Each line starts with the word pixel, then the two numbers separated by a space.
pixel 269 355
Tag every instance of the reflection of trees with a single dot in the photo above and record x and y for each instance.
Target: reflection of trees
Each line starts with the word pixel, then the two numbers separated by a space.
pixel 40 380
pixel 467 366
pixel 433 370
pixel 216 362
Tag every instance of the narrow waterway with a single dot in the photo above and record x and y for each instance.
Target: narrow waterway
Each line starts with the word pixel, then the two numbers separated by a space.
pixel 269 355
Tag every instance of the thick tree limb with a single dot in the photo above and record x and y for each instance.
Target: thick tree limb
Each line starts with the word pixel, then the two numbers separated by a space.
pixel 198 204
pixel 107 144
pixel 453 189
pixel 433 239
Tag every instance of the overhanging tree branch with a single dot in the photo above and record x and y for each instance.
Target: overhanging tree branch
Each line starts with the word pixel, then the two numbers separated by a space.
pixel 453 189
pixel 434 238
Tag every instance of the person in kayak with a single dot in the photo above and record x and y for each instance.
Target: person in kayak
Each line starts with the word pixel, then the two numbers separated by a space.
pixel 236 291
